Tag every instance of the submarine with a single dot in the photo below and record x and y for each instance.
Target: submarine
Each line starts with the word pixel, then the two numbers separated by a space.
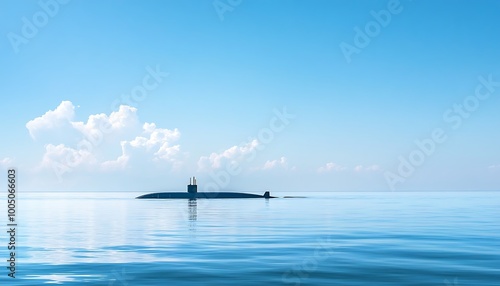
pixel 192 193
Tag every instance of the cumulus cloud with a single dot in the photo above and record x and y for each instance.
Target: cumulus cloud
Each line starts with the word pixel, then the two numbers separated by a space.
pixel 153 139
pixel 281 162
pixel 120 162
pixel 71 157
pixel 331 167
pixel 99 124
pixel 64 113
pixel 234 154
pixel 93 143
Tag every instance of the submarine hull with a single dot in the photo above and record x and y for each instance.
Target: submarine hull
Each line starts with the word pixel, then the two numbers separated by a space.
pixel 202 195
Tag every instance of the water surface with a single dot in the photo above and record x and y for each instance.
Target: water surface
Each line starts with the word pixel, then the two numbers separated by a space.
pixel 383 238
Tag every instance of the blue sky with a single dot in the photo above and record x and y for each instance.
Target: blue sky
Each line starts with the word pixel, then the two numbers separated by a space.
pixel 202 82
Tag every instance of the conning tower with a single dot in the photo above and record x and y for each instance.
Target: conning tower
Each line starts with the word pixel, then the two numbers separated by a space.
pixel 192 187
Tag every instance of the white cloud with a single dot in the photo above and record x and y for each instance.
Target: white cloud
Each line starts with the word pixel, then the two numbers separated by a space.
pixel 64 113
pixel 281 162
pixel 166 152
pixel 156 137
pixel 119 163
pixel 329 167
pixel 99 124
pixel 232 155
pixel 494 167
pixel 372 168
pixel 157 140
pixel 74 144
pixel 68 156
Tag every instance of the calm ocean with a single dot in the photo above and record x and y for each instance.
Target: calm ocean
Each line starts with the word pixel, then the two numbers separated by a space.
pixel 384 238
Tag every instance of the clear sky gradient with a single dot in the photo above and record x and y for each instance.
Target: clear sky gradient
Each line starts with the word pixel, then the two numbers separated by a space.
pixel 251 95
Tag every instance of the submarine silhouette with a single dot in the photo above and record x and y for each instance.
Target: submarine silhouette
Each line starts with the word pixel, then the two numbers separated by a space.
pixel 192 193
